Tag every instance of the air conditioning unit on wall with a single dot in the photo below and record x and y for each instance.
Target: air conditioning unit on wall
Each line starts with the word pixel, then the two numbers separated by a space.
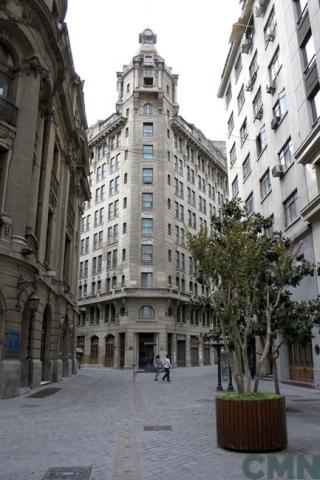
pixel 277 171
pixel 271 87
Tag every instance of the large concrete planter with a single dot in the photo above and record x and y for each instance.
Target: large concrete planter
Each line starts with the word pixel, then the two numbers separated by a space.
pixel 251 425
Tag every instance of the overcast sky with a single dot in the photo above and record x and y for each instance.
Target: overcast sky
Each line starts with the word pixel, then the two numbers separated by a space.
pixel 192 37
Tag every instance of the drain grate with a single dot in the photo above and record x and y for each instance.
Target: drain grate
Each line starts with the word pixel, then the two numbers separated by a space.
pixel 44 393
pixel 30 406
pixel 292 410
pixel 71 473
pixel 151 428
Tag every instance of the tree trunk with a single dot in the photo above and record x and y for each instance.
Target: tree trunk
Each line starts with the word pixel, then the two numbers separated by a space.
pixel 275 375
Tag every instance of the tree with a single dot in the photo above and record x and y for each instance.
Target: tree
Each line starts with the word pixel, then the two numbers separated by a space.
pixel 249 274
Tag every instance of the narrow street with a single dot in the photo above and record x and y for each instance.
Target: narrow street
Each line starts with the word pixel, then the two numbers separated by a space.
pixel 134 430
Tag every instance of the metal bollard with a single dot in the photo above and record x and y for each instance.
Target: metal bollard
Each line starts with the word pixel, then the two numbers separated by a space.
pixel 134 371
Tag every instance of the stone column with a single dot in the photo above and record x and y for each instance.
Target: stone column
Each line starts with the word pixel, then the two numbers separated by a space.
pixel 136 75
pixel 163 346
pixel 131 349
pixel 174 350
pixel 200 352
pixel 21 168
pixel 188 351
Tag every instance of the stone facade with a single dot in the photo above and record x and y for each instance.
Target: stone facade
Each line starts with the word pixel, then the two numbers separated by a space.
pixel 153 176
pixel 270 84
pixel 43 184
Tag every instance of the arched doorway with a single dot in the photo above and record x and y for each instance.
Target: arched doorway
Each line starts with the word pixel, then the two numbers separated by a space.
pixel 109 357
pixel 94 350
pixel 45 349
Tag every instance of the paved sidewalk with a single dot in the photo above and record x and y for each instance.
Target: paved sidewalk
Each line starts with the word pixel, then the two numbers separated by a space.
pixel 136 430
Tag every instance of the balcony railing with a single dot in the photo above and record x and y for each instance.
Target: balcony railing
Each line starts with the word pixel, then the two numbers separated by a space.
pixel 8 111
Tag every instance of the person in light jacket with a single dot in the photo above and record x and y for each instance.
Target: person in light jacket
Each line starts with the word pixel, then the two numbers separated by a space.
pixel 157 367
pixel 167 366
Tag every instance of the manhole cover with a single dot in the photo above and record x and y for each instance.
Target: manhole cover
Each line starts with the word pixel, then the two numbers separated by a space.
pixel 72 473
pixel 150 428
pixel 44 393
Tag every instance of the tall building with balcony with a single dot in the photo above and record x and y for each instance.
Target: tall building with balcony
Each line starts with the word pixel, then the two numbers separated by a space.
pixel 43 184
pixel 153 176
pixel 270 86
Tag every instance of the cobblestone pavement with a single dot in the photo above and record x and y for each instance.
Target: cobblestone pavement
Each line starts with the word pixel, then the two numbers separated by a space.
pixel 136 430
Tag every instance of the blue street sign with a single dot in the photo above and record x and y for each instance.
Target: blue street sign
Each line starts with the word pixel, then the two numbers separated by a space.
pixel 13 343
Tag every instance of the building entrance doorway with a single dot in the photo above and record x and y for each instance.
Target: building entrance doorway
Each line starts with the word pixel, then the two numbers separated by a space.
pixel 181 350
pixel 301 363
pixel 206 354
pixel 146 350
pixel 109 356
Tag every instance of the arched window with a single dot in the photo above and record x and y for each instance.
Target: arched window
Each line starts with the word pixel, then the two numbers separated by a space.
pixel 6 68
pixel 94 348
pixel 147 109
pixel 146 312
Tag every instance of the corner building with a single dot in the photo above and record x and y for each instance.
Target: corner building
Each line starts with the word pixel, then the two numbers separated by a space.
pixel 43 184
pixel 153 176
pixel 270 85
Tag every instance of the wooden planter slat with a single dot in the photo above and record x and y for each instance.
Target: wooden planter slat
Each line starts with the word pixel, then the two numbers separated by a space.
pixel 251 425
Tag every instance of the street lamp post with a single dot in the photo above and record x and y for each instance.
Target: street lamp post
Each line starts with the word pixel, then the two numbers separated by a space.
pixel 218 345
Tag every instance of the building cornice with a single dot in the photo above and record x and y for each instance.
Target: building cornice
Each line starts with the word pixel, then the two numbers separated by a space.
pixel 196 137
pixel 106 128
pixel 309 150
pixel 236 35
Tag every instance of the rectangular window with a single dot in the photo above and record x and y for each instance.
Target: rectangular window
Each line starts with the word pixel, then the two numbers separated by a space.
pixel 291 209
pixel 314 100
pixel 280 108
pixel 253 68
pixel 270 28
pixel 147 227
pixel 308 51
pixel 233 154
pixel 265 184
pixel 147 201
pixel 238 68
pixel 257 106
pixel 147 176
pixel 228 95
pixel 302 6
pixel 147 152
pixel 114 258
pixel 275 65
pixel 249 204
pixel 241 98
pixel 261 140
pixel 148 129
pixel 146 280
pixel 243 132
pixel 246 168
pixel 230 124
pixel 146 253
pixel 235 187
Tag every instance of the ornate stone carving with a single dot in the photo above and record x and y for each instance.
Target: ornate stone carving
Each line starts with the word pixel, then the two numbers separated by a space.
pixel 32 66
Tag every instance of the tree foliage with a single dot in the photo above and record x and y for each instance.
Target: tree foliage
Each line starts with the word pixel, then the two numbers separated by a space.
pixel 250 276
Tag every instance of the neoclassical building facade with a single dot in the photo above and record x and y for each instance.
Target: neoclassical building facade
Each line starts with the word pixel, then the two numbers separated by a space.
pixel 153 175
pixel 271 89
pixel 43 184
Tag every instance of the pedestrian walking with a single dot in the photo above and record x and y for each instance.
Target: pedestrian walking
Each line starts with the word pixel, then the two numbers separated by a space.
pixel 157 367
pixel 167 366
